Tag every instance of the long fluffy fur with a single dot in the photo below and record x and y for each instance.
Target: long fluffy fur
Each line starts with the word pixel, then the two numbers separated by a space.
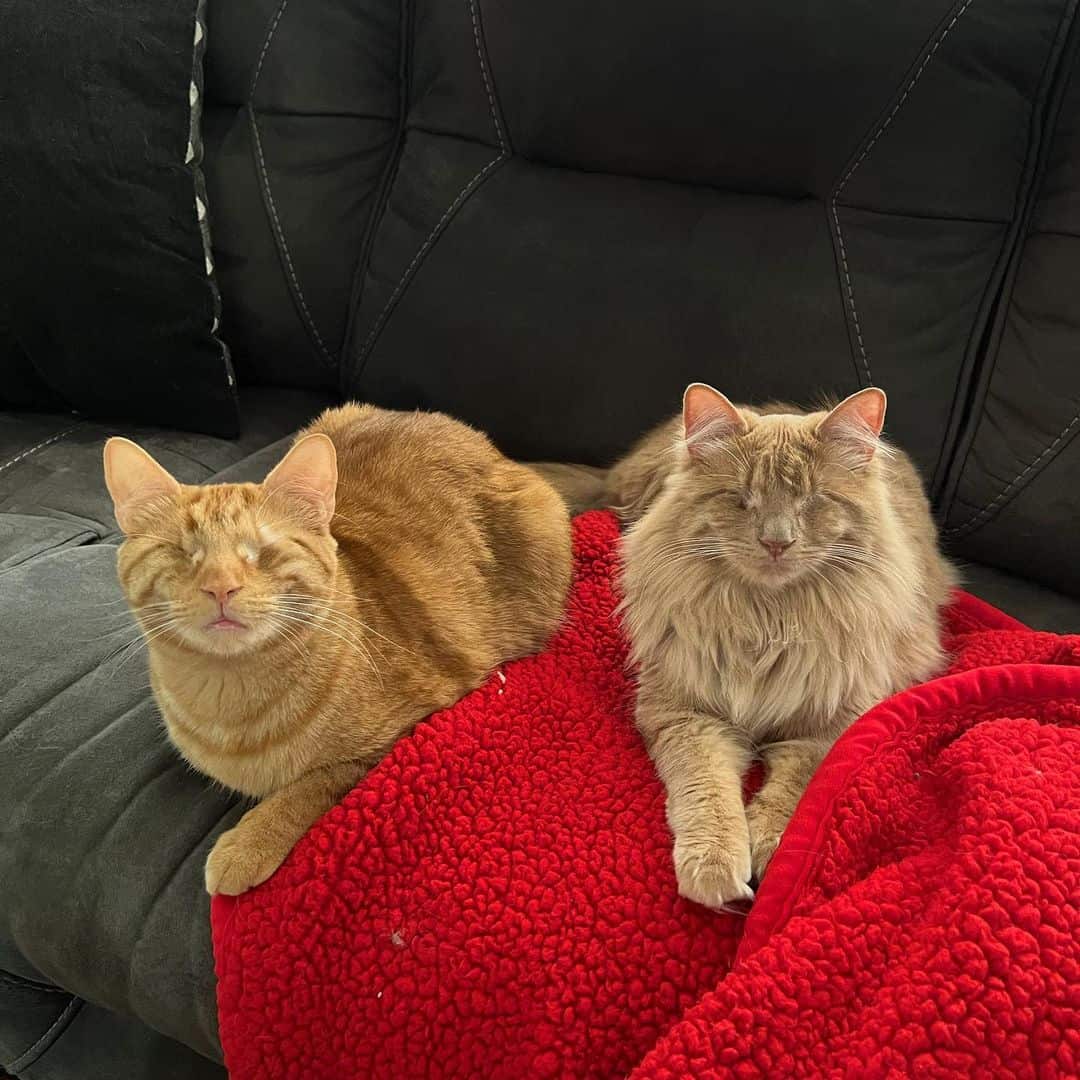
pixel 733 664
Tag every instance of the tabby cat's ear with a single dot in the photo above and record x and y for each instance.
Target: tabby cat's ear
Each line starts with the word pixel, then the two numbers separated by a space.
pixel 307 476
pixel 854 426
pixel 707 417
pixel 134 479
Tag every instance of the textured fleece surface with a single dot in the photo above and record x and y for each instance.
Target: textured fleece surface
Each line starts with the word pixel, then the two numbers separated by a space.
pixel 497 898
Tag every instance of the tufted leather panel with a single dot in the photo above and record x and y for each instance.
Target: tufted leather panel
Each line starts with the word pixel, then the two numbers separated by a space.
pixel 518 211
pixel 808 201
pixel 1014 497
pixel 300 119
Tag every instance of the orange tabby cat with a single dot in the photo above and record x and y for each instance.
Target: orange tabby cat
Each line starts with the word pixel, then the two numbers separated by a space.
pixel 298 627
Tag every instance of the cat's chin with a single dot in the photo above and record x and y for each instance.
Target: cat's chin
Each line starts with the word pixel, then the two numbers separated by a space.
pixel 227 638
pixel 775 574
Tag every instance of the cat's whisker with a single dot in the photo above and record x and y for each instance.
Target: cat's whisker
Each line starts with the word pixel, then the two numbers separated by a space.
pixel 346 625
pixel 147 610
pixel 690 553
pixel 348 617
pixel 877 566
pixel 663 561
pixel 136 636
pixel 123 600
pixel 692 543
pixel 696 553
pixel 141 641
pixel 128 625
pixel 349 594
pixel 864 557
pixel 342 622
pixel 313 623
pixel 318 621
pixel 289 634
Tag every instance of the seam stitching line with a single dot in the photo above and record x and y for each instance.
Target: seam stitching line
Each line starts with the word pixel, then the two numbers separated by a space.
pixel 30 1055
pixel 349 367
pixel 1041 129
pixel 309 322
pixel 462 195
pixel 275 221
pixel 40 446
pixel 981 515
pixel 484 74
pixel 266 46
pixel 466 191
pixel 851 172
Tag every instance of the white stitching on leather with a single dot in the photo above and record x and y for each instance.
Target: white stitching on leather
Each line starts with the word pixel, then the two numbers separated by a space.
pixel 279 232
pixel 484 74
pixel 266 46
pixel 861 158
pixel 981 515
pixel 462 195
pixel 850 291
pixel 309 321
pixel 41 445
pixel 30 1055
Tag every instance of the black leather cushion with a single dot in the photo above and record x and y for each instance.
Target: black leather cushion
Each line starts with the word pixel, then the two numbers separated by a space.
pixel 300 121
pixel 594 204
pixel 107 301
pixel 1014 497
pixel 535 217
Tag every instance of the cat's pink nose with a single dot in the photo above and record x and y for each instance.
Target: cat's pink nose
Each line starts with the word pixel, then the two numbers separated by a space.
pixel 222 593
pixel 776 548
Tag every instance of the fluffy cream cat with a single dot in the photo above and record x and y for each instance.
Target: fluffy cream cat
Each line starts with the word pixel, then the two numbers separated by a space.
pixel 781 575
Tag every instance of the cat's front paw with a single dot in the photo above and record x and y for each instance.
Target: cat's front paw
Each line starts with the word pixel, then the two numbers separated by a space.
pixel 713 874
pixel 767 824
pixel 240 860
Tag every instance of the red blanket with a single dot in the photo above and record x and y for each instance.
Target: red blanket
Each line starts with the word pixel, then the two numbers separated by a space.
pixel 497 898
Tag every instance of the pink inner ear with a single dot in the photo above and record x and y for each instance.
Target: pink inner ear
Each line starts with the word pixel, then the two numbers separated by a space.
pixel 308 475
pixel 134 479
pixel 708 413
pixel 853 428
pixel 862 412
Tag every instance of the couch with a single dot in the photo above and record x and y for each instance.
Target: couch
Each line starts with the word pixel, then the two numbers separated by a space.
pixel 545 218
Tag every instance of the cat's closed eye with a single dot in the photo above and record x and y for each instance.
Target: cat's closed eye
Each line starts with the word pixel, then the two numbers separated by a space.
pixel 736 497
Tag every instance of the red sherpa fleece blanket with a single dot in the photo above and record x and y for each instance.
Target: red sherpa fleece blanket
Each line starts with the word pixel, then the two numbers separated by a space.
pixel 497 899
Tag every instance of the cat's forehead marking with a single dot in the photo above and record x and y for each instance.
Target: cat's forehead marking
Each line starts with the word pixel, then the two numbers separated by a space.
pixel 216 510
pixel 785 461
pixel 779 469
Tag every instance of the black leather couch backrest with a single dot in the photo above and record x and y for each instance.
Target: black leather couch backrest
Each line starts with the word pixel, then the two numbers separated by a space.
pixel 1013 497
pixel 300 120
pixel 548 217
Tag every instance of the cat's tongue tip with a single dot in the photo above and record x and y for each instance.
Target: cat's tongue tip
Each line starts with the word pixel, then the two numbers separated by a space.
pixel 225 623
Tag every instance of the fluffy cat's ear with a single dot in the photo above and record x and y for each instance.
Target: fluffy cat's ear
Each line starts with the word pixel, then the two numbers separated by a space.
pixel 134 479
pixel 854 426
pixel 707 417
pixel 307 475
